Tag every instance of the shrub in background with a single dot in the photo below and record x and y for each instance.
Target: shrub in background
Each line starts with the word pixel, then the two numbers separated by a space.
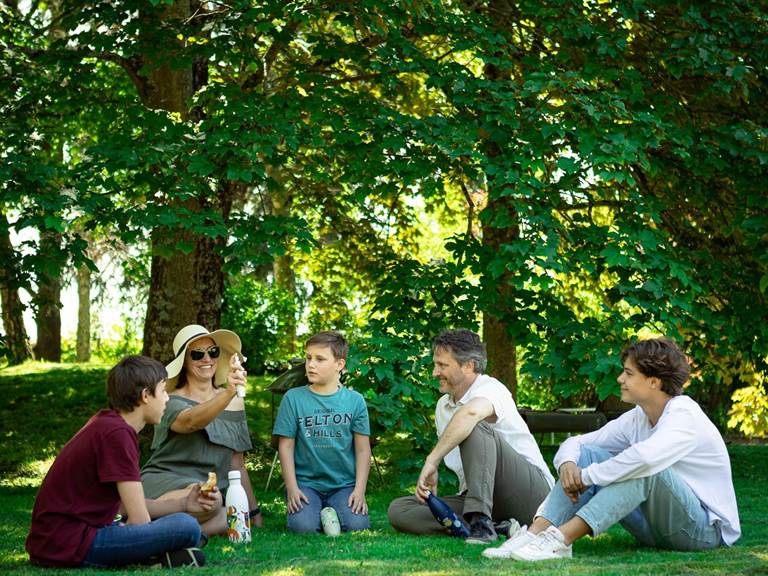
pixel 5 352
pixel 392 365
pixel 108 350
pixel 259 313
pixel 749 411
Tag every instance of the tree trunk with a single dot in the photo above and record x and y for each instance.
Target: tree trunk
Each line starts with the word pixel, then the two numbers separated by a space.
pixel 185 288
pixel 499 298
pixel 502 355
pixel 13 309
pixel 83 313
pixel 285 278
pixel 48 299
pixel 282 268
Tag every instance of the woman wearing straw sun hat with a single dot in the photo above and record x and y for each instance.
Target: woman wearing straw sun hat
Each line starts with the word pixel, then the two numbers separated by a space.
pixel 203 428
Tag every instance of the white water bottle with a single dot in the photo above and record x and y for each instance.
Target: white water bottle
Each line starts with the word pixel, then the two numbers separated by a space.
pixel 238 522
pixel 236 363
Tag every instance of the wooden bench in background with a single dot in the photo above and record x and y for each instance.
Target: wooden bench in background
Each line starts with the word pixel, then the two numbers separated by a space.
pixel 573 420
pixel 566 420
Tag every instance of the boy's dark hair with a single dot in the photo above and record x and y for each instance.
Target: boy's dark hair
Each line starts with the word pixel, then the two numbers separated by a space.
pixel 465 346
pixel 334 340
pixel 129 378
pixel 661 358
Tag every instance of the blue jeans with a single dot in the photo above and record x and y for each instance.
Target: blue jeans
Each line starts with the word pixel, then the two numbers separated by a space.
pixel 308 518
pixel 659 510
pixel 120 545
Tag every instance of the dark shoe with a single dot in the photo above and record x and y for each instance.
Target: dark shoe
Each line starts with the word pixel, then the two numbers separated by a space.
pixel 481 530
pixel 502 528
pixel 183 557
pixel 204 540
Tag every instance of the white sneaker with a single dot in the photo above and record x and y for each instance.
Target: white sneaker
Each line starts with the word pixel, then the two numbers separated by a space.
pixel 518 537
pixel 547 545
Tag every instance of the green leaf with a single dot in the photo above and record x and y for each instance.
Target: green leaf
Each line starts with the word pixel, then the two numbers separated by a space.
pixel 200 165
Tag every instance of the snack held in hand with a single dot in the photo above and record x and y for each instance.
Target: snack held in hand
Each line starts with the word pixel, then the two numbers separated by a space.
pixel 209 484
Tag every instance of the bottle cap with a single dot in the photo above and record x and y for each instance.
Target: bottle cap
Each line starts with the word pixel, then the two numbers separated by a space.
pixel 234 475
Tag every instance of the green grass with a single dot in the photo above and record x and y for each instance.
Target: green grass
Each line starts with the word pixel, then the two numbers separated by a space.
pixel 43 405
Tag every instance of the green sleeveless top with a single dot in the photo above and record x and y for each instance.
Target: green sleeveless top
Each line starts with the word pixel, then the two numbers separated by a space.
pixel 178 460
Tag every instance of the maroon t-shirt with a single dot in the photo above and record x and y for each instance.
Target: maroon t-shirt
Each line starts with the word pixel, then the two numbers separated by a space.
pixel 79 494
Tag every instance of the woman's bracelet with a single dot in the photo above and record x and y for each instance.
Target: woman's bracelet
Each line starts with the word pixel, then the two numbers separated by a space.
pixel 255 512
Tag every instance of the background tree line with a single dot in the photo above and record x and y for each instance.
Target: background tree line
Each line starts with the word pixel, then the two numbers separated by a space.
pixel 593 170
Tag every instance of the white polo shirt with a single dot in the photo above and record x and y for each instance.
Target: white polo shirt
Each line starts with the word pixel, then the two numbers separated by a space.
pixel 509 424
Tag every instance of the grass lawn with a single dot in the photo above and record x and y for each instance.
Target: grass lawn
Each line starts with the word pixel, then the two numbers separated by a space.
pixel 43 405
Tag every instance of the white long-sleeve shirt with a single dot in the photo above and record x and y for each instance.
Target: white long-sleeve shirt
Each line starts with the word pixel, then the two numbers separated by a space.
pixel 684 439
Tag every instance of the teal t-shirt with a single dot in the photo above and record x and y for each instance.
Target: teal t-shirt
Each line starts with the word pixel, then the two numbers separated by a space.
pixel 323 427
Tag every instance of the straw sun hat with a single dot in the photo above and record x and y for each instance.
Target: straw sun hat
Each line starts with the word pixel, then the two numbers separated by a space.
pixel 228 341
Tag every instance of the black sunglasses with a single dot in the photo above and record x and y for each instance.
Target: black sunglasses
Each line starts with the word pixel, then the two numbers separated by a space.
pixel 212 352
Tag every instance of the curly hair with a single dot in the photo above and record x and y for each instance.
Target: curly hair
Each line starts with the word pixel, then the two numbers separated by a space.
pixel 464 345
pixel 661 358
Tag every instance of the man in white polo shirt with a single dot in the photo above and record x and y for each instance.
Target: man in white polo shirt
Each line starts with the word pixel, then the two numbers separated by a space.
pixel 484 440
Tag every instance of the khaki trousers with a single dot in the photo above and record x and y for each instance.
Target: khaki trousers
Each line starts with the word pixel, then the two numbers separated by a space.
pixel 501 484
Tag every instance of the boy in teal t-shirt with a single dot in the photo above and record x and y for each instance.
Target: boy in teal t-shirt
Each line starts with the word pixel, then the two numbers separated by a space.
pixel 324 446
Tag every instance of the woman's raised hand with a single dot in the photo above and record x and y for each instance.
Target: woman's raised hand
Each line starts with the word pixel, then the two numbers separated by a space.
pixel 237 375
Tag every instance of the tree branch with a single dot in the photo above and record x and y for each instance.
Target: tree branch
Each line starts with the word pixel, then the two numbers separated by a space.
pixel 269 58
pixel 471 212
pixel 358 78
pixel 589 205
pixel 130 65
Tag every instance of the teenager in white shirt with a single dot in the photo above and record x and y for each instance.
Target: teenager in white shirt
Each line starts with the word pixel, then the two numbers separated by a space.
pixel 661 470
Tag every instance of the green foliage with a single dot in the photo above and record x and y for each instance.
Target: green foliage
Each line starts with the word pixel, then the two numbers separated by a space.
pixel 591 151
pixel 258 313
pixel 5 352
pixel 749 411
pixel 106 350
pixel 392 366
pixel 616 154
pixel 614 180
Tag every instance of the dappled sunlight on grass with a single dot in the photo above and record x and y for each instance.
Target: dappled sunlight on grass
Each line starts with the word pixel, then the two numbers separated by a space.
pixel 424 573
pixel 343 566
pixel 68 392
pixel 36 367
pixel 41 411
pixel 30 474
pixel 292 571
pixel 353 566
pixel 15 557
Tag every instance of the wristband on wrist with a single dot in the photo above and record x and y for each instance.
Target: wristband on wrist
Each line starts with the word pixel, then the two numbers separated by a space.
pixel 255 512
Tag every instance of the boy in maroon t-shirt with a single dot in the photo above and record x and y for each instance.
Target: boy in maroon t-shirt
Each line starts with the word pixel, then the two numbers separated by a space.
pixel 96 475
